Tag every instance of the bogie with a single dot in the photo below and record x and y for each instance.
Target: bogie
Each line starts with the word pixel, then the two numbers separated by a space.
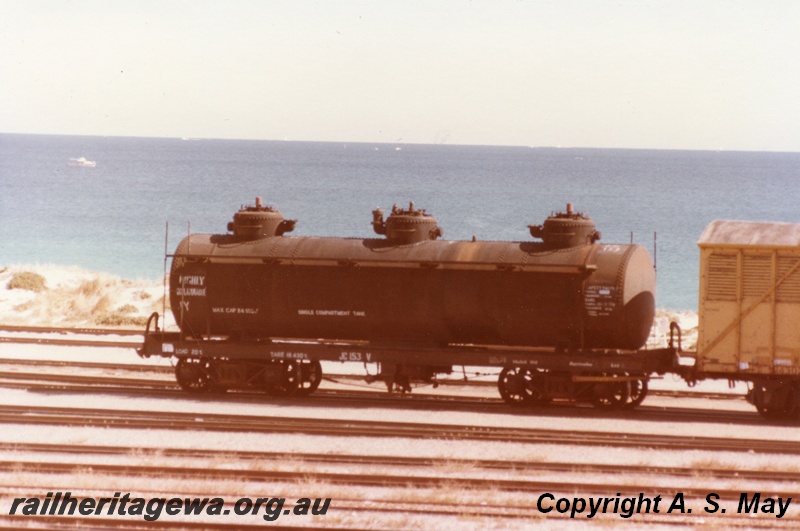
pixel 776 399
pixel 274 377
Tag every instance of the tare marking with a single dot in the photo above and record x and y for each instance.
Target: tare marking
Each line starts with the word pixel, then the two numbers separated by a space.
pixel 284 355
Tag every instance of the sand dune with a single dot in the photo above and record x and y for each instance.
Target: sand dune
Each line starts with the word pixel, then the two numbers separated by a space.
pixel 50 295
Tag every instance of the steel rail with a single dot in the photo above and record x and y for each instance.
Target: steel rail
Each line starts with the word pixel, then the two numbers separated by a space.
pixel 17 522
pixel 377 480
pixel 74 330
pixel 25 362
pixel 403 461
pixel 343 379
pixel 10 414
pixel 379 397
pixel 69 342
pixel 81 379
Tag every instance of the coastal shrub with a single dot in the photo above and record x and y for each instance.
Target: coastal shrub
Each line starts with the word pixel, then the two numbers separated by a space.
pixel 121 317
pixel 24 307
pixel 27 280
pixel 117 318
pixel 91 288
pixel 103 305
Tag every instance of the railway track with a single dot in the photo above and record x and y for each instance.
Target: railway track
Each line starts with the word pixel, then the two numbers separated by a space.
pixel 17 522
pixel 350 398
pixel 147 388
pixel 519 511
pixel 144 380
pixel 345 379
pixel 401 473
pixel 406 479
pixel 386 461
pixel 93 331
pixel 114 418
pixel 238 467
pixel 44 336
pixel 38 335
pixel 141 380
pixel 464 513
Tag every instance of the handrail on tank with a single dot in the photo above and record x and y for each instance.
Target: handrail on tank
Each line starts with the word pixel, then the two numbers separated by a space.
pixel 153 319
pixel 673 327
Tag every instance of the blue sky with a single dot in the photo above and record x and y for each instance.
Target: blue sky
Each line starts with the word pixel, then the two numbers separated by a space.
pixel 627 73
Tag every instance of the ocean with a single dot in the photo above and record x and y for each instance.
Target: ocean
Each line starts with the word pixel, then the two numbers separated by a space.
pixel 113 217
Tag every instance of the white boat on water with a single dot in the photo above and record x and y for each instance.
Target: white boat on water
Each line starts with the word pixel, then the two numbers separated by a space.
pixel 81 162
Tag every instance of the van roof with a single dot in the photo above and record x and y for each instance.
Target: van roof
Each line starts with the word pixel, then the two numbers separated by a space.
pixel 750 234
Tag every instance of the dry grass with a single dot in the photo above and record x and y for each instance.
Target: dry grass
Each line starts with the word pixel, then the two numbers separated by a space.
pixel 58 296
pixel 28 280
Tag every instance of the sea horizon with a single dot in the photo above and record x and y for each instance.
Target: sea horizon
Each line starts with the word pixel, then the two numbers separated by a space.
pixel 402 143
pixel 112 217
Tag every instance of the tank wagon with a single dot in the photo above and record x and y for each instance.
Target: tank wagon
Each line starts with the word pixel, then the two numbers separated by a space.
pixel 563 316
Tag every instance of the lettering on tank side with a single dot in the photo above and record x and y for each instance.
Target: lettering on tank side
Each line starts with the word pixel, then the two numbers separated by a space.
pixel 191 286
pixel 613 249
pixel 600 301
pixel 332 313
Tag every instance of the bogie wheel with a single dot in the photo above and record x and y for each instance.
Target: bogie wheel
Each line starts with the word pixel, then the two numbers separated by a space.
pixel 612 394
pixel 193 374
pixel 776 402
pixel 310 377
pixel 638 393
pixel 519 386
pixel 286 381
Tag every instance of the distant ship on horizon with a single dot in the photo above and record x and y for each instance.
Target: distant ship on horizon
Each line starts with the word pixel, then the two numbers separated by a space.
pixel 81 162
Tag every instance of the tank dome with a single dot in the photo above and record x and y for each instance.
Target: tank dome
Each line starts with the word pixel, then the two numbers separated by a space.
pixel 566 229
pixel 406 226
pixel 259 221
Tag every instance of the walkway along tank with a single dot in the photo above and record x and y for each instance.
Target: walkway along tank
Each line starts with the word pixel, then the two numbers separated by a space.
pixel 564 315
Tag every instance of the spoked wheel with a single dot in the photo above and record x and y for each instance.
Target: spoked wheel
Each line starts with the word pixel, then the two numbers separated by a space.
pixel 519 386
pixel 310 377
pixel 284 381
pixel 637 394
pixel 612 394
pixel 776 402
pixel 193 375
